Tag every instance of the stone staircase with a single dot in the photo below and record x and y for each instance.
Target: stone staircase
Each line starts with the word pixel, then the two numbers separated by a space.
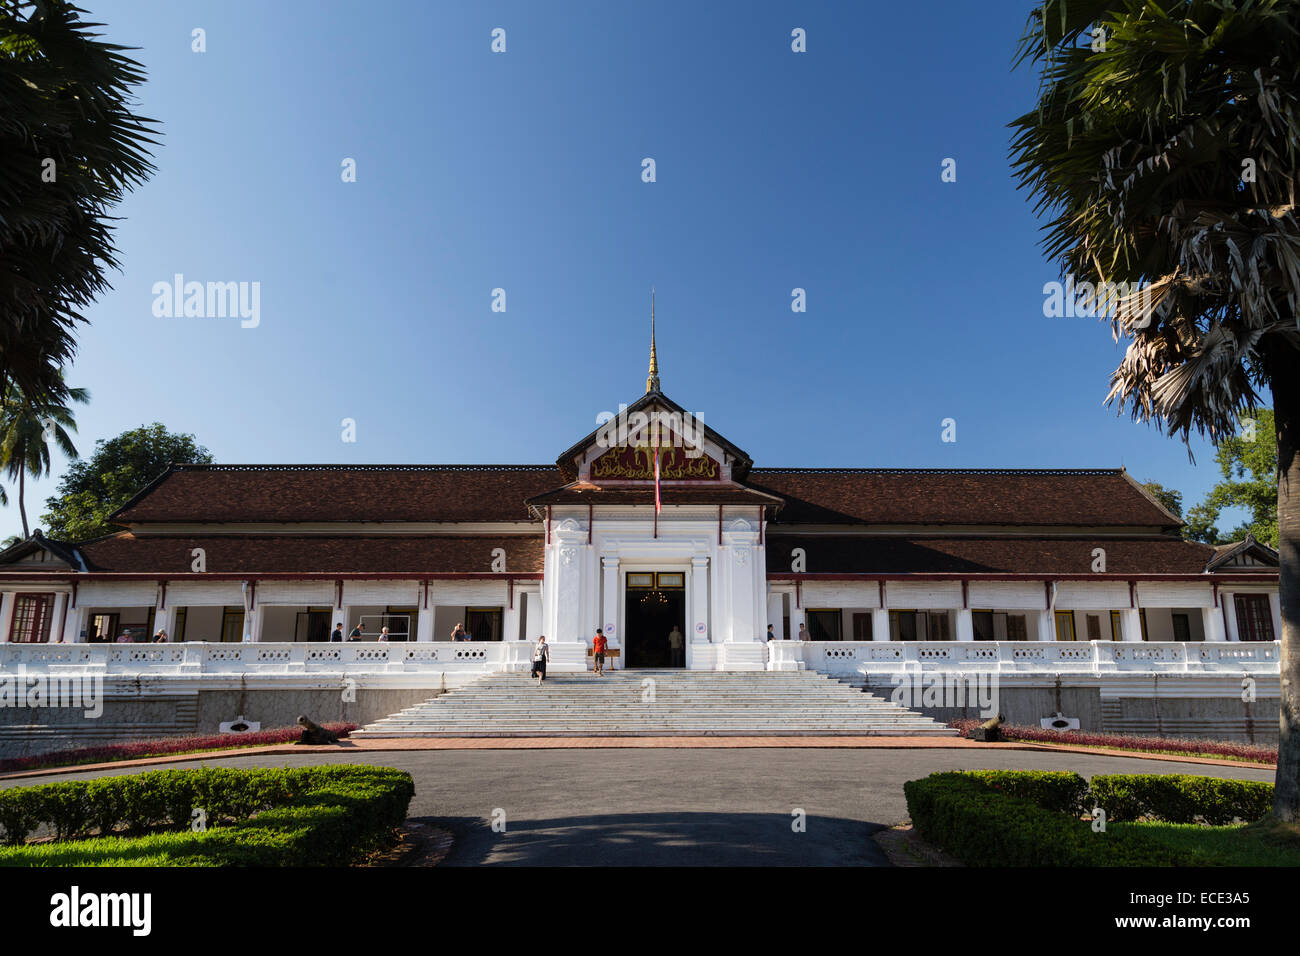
pixel 684 703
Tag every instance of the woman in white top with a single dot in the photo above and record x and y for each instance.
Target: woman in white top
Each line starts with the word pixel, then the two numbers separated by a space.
pixel 541 654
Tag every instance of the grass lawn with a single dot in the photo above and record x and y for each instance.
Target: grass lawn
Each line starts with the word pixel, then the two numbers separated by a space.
pixel 1246 844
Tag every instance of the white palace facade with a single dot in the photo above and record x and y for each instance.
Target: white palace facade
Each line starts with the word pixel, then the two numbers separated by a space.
pixel 1028 572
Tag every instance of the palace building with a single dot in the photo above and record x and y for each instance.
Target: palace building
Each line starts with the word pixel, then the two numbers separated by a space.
pixel 876 569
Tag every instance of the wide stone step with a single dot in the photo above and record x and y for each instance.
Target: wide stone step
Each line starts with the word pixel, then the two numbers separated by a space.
pixel 685 704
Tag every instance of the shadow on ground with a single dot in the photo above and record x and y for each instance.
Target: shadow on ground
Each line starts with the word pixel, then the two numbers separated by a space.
pixel 664 839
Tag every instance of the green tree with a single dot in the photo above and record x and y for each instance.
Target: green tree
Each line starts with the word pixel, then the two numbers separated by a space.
pixel 1163 150
pixel 93 488
pixel 26 429
pixel 70 150
pixel 1171 499
pixel 1248 463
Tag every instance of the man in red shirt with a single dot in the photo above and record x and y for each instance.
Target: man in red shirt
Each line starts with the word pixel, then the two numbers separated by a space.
pixel 598 645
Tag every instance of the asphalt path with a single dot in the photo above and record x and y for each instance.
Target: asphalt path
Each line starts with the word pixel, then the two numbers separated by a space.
pixel 697 807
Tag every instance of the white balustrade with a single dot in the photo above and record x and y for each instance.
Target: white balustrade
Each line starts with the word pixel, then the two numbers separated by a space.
pixel 848 658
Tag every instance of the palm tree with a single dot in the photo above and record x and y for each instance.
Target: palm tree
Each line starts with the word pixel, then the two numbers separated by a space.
pixel 1163 147
pixel 26 428
pixel 71 148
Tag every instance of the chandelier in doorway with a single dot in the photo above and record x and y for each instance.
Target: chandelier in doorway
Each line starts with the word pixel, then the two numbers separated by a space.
pixel 654 597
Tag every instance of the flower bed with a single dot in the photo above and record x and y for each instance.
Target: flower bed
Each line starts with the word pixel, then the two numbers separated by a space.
pixel 160 747
pixel 1227 749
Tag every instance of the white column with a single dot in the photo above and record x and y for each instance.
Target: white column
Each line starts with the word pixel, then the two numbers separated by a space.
pixel 965 625
pixel 253 623
pixel 424 622
pixel 510 619
pixel 74 626
pixel 1212 620
pixel 1046 626
pixel 60 601
pixel 164 618
pixel 775 614
pixel 1130 624
pixel 609 603
pixel 1275 605
pixel 797 617
pixel 1230 606
pixel 533 615
pixel 6 615
pixel 699 601
pixel 880 624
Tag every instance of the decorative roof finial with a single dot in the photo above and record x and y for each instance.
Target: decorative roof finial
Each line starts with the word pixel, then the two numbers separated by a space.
pixel 652 380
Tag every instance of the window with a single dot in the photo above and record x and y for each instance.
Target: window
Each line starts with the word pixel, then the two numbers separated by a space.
pixel 862 625
pixel 1094 627
pixel 484 623
pixel 102 628
pixel 982 623
pixel 824 624
pixel 1254 617
pixel 1182 627
pixel 312 624
pixel 902 625
pixel 31 622
pixel 1016 628
pixel 938 629
pixel 180 625
pixel 1142 616
pixel 1065 625
pixel 232 625
pixel 1116 626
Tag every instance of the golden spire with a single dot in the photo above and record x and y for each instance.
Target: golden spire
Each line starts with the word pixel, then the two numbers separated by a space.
pixel 652 380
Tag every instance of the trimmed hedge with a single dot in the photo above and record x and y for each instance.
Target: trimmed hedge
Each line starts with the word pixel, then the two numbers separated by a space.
pixel 1181 798
pixel 1058 790
pixel 980 826
pixel 311 816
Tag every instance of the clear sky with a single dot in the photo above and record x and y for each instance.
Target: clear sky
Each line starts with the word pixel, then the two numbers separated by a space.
pixel 522 171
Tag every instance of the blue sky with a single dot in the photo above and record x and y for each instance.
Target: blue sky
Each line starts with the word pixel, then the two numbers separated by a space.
pixel 522 170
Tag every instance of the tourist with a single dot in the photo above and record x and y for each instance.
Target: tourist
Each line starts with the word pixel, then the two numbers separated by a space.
pixel 598 645
pixel 160 637
pixel 458 633
pixel 803 632
pixel 770 635
pixel 358 633
pixel 336 637
pixel 675 644
pixel 124 636
pixel 541 654
pixel 383 633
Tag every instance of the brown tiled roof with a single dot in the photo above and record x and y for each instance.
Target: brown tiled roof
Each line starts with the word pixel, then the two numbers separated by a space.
pixel 1073 498
pixel 227 493
pixel 311 554
pixel 700 493
pixel 842 554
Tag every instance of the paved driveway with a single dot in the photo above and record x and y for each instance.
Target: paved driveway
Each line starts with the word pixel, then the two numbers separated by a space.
pixel 682 807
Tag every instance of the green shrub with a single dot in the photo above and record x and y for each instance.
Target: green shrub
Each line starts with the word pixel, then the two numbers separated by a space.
pixel 981 826
pixel 314 816
pixel 1181 798
pixel 1057 790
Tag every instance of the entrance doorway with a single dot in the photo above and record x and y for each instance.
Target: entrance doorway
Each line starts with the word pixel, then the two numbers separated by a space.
pixel 656 607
